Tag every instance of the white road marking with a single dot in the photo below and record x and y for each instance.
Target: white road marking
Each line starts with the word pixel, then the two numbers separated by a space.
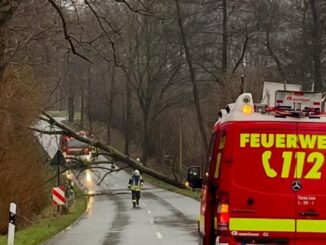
pixel 159 235
pixel 149 211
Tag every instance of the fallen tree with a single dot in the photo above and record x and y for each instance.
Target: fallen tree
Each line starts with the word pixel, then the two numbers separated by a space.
pixel 110 151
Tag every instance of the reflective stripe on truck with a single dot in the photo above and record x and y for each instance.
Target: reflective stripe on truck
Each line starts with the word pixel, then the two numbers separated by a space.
pixel 252 224
pixel 277 225
pixel 315 226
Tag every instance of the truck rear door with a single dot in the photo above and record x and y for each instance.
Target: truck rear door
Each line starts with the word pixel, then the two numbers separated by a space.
pixel 263 205
pixel 311 180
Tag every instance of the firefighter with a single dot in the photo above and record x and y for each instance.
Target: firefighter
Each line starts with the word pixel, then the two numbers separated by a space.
pixel 135 184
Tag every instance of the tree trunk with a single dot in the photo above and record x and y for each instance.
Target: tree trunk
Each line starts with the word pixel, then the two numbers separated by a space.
pixel 316 44
pixel 192 79
pixel 71 104
pixel 243 52
pixel 146 107
pixel 145 145
pixel 89 102
pixel 128 115
pixel 62 98
pixel 305 50
pixel 82 106
pixel 115 154
pixel 110 106
pixel 274 56
pixel 225 38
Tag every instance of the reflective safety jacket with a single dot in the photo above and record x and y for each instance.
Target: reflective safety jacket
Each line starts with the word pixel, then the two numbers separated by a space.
pixel 136 182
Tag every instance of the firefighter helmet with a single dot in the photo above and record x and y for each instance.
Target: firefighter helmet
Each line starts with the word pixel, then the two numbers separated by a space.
pixel 136 172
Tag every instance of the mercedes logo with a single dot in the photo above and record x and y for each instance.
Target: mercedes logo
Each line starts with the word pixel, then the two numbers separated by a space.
pixel 296 185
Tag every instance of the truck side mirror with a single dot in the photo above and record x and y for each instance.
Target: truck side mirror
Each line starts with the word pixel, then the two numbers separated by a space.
pixel 194 178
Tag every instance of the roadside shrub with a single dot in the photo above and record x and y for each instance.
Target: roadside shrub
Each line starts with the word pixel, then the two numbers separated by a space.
pixel 21 171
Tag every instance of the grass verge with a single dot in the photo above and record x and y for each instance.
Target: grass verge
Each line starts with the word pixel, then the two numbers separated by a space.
pixel 48 226
pixel 195 194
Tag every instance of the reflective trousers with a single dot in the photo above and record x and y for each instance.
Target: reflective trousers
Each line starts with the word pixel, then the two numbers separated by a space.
pixel 135 197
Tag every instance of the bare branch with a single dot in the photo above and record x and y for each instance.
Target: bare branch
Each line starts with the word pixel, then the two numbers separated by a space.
pixel 105 32
pixel 65 31
pixel 244 49
pixel 116 170
pixel 138 11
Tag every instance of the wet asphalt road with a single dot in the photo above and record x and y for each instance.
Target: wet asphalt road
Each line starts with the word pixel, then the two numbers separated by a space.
pixel 162 218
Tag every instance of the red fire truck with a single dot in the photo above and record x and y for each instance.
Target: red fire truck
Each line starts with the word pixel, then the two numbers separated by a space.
pixel 74 150
pixel 265 181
